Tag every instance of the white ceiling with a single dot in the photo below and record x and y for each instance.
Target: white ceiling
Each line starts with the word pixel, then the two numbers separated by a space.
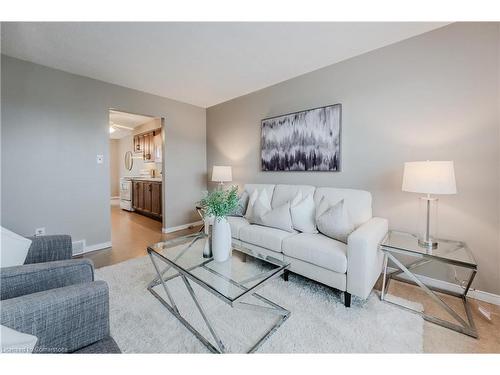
pixel 198 63
pixel 118 120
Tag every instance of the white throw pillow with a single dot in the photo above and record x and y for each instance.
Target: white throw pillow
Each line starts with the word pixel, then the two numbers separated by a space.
pixel 14 248
pixel 333 220
pixel 258 207
pixel 251 202
pixel 12 341
pixel 303 214
pixel 279 218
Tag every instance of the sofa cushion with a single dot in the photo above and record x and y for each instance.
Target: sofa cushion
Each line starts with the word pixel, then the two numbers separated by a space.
pixel 266 237
pixel 357 202
pixel 317 249
pixel 286 193
pixel 236 223
pixel 269 188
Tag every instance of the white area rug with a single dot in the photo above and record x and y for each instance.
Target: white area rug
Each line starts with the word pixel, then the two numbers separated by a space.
pixel 319 322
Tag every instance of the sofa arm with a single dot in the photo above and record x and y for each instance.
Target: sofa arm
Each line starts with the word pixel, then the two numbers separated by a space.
pixel 49 249
pixel 32 278
pixel 364 258
pixel 63 319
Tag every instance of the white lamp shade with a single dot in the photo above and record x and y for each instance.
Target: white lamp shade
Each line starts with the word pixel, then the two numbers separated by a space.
pixel 221 173
pixel 429 177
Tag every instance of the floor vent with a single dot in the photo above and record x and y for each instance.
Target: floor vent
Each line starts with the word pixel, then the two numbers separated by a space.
pixel 78 247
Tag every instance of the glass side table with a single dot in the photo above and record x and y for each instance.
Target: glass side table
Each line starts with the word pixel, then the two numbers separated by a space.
pixel 454 253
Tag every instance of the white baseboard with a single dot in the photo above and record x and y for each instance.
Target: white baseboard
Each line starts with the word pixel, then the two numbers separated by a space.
pixel 473 293
pixel 97 246
pixel 180 227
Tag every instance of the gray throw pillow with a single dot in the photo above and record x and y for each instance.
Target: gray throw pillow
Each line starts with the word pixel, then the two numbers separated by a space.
pixel 241 208
pixel 334 221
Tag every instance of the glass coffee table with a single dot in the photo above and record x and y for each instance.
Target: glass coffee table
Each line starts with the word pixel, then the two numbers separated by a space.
pixel 399 245
pixel 233 282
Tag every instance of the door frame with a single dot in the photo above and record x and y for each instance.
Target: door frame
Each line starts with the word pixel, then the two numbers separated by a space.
pixel 163 122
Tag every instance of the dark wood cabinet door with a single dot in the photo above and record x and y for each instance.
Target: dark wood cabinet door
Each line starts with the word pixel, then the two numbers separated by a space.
pixel 137 145
pixel 156 199
pixel 136 193
pixel 148 189
pixel 140 195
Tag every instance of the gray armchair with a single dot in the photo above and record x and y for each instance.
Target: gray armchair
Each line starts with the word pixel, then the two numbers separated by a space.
pixel 56 299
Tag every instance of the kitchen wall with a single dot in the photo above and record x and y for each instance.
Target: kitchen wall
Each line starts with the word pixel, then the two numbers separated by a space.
pixel 115 159
pixel 435 96
pixel 54 124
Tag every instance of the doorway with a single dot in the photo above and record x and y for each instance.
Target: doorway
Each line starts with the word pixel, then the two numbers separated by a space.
pixel 136 145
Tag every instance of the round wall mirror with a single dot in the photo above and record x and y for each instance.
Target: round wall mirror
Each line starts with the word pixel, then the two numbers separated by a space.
pixel 129 162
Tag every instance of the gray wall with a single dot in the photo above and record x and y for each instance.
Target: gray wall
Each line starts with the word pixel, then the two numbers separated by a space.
pixel 115 159
pixel 53 126
pixel 433 97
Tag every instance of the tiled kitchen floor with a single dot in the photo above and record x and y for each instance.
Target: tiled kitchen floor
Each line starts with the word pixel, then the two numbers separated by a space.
pixel 132 233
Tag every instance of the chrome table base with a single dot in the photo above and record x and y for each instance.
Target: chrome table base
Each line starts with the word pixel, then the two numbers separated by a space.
pixel 217 346
pixel 466 327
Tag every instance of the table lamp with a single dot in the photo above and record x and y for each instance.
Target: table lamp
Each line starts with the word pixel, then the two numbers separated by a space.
pixel 429 177
pixel 221 174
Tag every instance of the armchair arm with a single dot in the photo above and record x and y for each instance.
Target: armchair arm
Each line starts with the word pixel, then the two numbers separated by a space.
pixel 364 258
pixel 32 278
pixel 63 319
pixel 49 249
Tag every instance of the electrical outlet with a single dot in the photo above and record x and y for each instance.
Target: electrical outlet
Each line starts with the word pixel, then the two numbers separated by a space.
pixel 39 231
pixel 100 159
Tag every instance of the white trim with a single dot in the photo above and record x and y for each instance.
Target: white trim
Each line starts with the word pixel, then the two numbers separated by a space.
pixel 117 197
pixel 180 227
pixel 473 293
pixel 97 246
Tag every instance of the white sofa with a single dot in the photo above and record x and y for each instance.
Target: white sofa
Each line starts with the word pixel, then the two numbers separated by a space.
pixel 352 268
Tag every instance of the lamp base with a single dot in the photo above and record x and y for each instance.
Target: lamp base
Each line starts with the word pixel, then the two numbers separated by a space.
pixel 430 244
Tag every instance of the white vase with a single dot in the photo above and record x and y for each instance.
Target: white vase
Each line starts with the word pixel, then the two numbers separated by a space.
pixel 221 239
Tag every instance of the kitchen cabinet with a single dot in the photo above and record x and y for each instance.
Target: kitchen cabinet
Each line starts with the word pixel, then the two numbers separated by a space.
pixel 147 198
pixel 149 144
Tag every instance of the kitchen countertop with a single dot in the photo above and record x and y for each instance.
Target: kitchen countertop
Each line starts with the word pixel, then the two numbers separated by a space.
pixel 153 179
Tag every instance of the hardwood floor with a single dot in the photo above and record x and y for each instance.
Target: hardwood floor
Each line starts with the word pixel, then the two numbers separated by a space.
pixel 132 233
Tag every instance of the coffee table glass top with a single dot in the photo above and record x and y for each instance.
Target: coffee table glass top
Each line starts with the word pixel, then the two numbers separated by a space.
pixel 447 251
pixel 230 279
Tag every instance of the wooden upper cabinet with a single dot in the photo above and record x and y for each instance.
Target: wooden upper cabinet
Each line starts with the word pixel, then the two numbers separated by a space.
pixel 149 144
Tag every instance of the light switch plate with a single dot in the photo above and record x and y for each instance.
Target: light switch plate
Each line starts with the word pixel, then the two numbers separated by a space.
pixel 100 159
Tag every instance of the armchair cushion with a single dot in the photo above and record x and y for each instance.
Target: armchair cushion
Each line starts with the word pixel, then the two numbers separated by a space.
pixel 364 258
pixel 63 319
pixel 32 278
pixel 49 249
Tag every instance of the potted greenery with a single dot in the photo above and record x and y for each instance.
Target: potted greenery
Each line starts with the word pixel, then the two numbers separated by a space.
pixel 218 204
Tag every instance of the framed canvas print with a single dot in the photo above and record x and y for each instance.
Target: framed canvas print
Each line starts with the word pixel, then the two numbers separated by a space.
pixel 302 141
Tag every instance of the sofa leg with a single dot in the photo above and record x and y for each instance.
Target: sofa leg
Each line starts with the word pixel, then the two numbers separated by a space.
pixel 347 299
pixel 285 275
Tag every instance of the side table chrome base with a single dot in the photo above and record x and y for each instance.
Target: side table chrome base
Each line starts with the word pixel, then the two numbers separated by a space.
pixel 466 327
